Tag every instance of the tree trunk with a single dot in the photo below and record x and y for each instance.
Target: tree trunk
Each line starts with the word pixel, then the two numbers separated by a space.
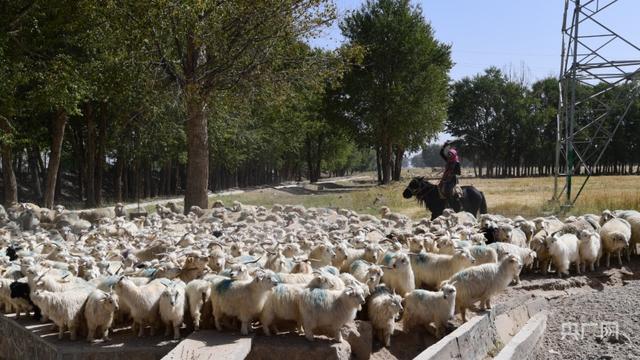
pixel 398 163
pixel 387 153
pixel 35 173
pixel 118 178
pixel 379 164
pixel 57 137
pixel 90 179
pixel 197 151
pixel 102 140
pixel 9 177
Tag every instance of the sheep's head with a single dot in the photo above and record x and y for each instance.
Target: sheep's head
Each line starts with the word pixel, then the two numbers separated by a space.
pixel 401 262
pixel 606 216
pixel 171 294
pixel 513 262
pixel 372 253
pixel 265 279
pixel 416 244
pixel 586 235
pixel 374 274
pixel 465 255
pixel 217 261
pixel 59 209
pixel 290 250
pixel 355 294
pixel 530 257
pixel 394 303
pixel 110 300
pixel 448 291
pixel 340 253
pixel 504 232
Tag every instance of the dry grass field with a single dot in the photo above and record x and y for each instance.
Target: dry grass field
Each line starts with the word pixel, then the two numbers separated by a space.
pixel 517 196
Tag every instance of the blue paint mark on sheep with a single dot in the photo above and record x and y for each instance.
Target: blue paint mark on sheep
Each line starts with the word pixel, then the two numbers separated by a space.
pixel 280 289
pixel 224 285
pixel 246 258
pixel 388 258
pixel 150 273
pixel 318 297
pixel 421 294
pixel 277 277
pixel 422 258
pixel 110 281
pixel 331 270
pixel 357 265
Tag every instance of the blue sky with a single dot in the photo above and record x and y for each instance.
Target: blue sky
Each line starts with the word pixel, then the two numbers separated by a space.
pixel 510 34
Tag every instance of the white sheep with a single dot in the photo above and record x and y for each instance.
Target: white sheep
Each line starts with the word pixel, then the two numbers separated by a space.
pixel 590 248
pixel 329 310
pixel 143 301
pixel 527 256
pixel 367 273
pixel 383 308
pixel 198 292
pixel 171 306
pixel 398 274
pixel 483 254
pixel 432 269
pixel 615 235
pixel 98 313
pixel 563 250
pixel 538 244
pixel 321 255
pixel 243 299
pixel 480 283
pixel 507 233
pixel 423 307
pixel 282 304
pixel 633 217
pixel 65 309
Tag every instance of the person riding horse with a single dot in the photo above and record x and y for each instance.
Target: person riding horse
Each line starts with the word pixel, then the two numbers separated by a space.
pixel 451 171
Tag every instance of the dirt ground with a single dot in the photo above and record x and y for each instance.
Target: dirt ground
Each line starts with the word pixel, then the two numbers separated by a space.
pixel 601 300
pixel 598 313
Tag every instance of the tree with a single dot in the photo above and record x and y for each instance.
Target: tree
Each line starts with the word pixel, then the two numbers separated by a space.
pixel 207 46
pixel 396 97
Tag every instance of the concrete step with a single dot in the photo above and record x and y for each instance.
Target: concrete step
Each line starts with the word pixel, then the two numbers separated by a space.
pixel 212 345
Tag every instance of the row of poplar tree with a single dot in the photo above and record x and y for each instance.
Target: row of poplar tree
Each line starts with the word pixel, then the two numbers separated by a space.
pixel 113 100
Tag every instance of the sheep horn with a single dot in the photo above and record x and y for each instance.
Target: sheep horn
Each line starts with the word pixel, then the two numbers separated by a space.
pixel 218 244
pixel 312 259
pixel 265 249
pixel 253 261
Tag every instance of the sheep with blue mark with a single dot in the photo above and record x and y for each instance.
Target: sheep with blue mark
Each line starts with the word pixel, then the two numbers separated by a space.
pixel 143 301
pixel 282 304
pixel 384 308
pixel 431 269
pixel 99 313
pixel 172 305
pixel 328 310
pixel 423 307
pixel 480 283
pixel 243 299
pixel 65 309
pixel 398 274
pixel 367 273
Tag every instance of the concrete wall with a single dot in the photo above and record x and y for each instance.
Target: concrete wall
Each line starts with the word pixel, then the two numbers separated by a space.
pixel 27 339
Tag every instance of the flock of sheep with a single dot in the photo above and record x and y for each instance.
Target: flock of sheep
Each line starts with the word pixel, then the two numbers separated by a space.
pixel 311 270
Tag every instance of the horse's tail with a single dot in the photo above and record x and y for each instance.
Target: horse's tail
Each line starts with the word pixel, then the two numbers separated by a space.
pixel 483 204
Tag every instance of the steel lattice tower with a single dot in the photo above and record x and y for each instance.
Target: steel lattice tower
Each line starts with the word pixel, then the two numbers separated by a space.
pixel 585 123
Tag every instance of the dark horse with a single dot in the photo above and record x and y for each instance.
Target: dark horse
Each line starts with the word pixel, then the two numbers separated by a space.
pixel 425 192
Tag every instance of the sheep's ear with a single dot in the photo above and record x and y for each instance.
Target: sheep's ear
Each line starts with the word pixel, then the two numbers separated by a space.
pixel 349 291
